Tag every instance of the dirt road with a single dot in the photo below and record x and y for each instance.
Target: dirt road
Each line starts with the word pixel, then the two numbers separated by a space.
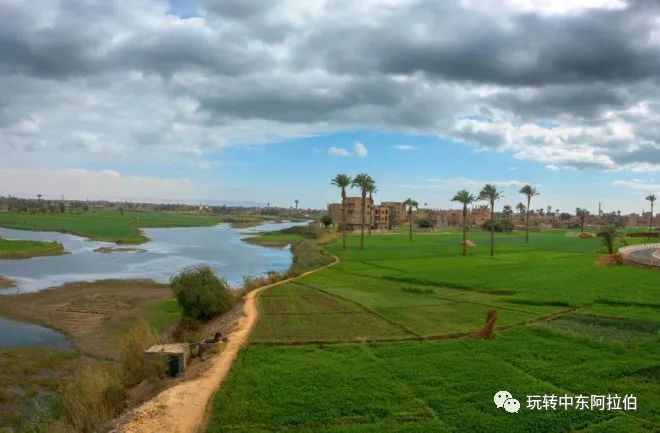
pixel 182 408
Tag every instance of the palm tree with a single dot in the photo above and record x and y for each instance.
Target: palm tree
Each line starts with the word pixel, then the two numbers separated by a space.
pixel 362 181
pixel 652 198
pixel 371 189
pixel 490 193
pixel 529 191
pixel 342 181
pixel 296 200
pixel 607 235
pixel 410 205
pixel 507 212
pixel 582 216
pixel 521 209
pixel 465 198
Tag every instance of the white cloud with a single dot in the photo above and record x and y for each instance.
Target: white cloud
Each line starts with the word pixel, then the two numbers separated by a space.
pixel 204 166
pixel 638 185
pixel 359 149
pixel 339 151
pixel 404 147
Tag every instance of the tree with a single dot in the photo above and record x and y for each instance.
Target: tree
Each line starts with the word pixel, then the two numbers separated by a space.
pixel 652 199
pixel 371 189
pixel 342 181
pixel 529 192
pixel 607 235
pixel 393 222
pixel 200 293
pixel 521 210
pixel 326 220
pixel 410 206
pixel 465 198
pixel 507 211
pixel 490 193
pixel 362 181
pixel 296 200
pixel 582 216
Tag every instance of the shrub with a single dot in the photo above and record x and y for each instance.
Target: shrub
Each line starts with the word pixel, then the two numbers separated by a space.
pixel 188 330
pixel 201 294
pixel 307 255
pixel 424 223
pixel 326 220
pixel 498 225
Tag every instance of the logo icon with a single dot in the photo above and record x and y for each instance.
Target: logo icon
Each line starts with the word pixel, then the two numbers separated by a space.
pixel 504 399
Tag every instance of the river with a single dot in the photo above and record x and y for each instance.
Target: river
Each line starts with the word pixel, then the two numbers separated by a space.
pixel 167 252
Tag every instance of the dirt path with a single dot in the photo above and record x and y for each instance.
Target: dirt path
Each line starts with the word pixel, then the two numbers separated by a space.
pixel 182 408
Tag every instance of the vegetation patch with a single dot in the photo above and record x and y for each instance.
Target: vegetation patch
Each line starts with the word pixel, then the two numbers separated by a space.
pixel 6 283
pixel 19 249
pixel 419 291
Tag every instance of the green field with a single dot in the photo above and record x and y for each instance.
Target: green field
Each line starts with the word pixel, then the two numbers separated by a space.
pixel 381 342
pixel 19 249
pixel 112 226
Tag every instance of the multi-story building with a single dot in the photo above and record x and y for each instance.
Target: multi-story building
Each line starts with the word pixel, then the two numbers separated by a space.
pixel 380 217
pixel 400 214
pixel 353 211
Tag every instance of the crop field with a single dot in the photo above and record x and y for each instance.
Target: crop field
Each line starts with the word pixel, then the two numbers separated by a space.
pixel 382 341
pixel 111 226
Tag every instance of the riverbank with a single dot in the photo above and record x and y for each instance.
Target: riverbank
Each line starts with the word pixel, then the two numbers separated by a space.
pixel 6 283
pixel 19 249
pixel 122 227
pixel 95 314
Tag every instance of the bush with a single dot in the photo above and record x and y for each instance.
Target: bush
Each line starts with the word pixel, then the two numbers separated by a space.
pixel 201 294
pixel 500 226
pixel 326 220
pixel 424 224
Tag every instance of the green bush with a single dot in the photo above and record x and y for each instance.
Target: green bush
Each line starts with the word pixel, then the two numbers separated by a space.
pixel 201 294
pixel 425 223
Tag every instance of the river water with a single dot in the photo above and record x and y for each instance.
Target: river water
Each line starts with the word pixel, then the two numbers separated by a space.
pixel 168 251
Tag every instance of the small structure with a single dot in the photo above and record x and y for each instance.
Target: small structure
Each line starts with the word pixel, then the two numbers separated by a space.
pixel 176 356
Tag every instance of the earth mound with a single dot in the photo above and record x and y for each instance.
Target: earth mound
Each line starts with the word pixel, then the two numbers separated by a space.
pixel 586 236
pixel 468 243
pixel 609 260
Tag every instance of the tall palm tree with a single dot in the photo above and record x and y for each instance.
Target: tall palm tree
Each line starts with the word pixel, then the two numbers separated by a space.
pixel 371 189
pixel 529 191
pixel 582 216
pixel 296 204
pixel 410 206
pixel 490 193
pixel 465 198
pixel 362 181
pixel 342 181
pixel 652 198
pixel 521 209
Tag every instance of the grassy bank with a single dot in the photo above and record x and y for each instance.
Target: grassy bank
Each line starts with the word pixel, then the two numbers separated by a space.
pixel 19 249
pixel 97 317
pixel 304 372
pixel 120 227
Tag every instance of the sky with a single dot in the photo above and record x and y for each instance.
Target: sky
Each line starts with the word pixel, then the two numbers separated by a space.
pixel 265 101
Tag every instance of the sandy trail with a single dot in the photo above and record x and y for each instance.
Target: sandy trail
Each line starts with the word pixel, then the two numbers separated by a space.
pixel 182 408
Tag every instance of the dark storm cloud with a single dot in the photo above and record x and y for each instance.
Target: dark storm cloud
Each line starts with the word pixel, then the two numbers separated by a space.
pixel 445 41
pixel 129 75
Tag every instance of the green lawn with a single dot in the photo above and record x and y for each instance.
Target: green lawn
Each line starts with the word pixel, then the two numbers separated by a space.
pixel 19 249
pixel 108 225
pixel 294 377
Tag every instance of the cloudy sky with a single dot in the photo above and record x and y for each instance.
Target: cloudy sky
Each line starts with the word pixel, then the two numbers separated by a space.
pixel 266 100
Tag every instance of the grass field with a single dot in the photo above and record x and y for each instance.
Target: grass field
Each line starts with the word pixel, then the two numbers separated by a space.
pixel 370 345
pixel 19 249
pixel 114 226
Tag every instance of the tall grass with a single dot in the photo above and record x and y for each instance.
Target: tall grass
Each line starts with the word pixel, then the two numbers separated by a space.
pixel 94 396
pixel 133 345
